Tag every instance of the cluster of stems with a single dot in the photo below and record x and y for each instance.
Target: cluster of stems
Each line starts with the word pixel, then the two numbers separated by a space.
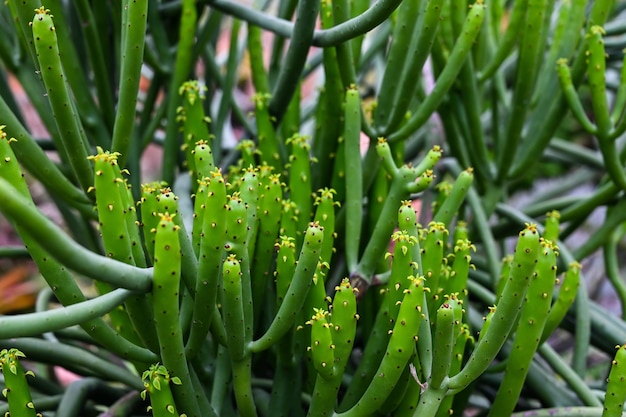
pixel 209 285
pixel 344 260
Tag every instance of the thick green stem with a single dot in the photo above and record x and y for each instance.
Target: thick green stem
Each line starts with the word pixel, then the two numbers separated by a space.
pixel 66 250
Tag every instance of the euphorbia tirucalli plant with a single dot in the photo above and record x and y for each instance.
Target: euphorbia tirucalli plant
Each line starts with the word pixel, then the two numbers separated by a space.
pixel 154 323
pixel 290 274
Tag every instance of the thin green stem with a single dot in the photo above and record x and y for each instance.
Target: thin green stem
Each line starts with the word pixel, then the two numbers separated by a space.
pixel 36 162
pixel 295 58
pixel 182 69
pixel 574 380
pixel 130 75
pixel 32 324
pixel 613 273
pixel 459 53
pixel 72 358
pixel 615 217
pixel 66 250
pixel 347 30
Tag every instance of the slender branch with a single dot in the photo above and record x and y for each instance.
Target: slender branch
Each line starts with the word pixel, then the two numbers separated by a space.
pixel 347 30
pixel 76 257
pixel 33 324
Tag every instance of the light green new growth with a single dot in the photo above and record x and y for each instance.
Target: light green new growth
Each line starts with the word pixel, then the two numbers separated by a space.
pixel 17 391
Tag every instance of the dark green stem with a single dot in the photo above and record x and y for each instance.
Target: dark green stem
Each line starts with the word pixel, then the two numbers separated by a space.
pixel 347 30
pixel 295 58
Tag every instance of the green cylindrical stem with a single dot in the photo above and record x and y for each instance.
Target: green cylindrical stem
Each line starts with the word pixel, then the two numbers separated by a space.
pixel 322 347
pixel 457 281
pixel 237 230
pixel 375 198
pixel 528 64
pixel 447 77
pixel 165 298
pixel 232 307
pixel 443 341
pixel 343 330
pixel 403 265
pixel 248 151
pixel 203 162
pixel 255 49
pixel 429 161
pixel 249 193
pixel 242 387
pixel 199 208
pixel 407 220
pixel 422 40
pixel 615 389
pixel 288 218
pixel 56 275
pixel 167 202
pixel 399 350
pixel 386 316
pixel 157 382
pixel 94 117
pixel 194 121
pixel 344 318
pixel 182 68
pixel 33 324
pixel 529 330
pixel 298 289
pixel 452 203
pixel 354 177
pixel 212 240
pixel 596 73
pixel 316 299
pixel 345 59
pixel 74 143
pixel 295 58
pixel 463 338
pixel 22 13
pixel 421 183
pixel 551 228
pixel 505 272
pixel 573 100
pixel 620 102
pixel 34 159
pixel 17 391
pixel 291 121
pixel 300 191
pixel 442 189
pixel 506 42
pixel 268 214
pixel 564 300
pixel 108 187
pixel 432 245
pixel 268 144
pixel 507 309
pixel 285 267
pixel 120 237
pixel 407 19
pixel 74 256
pixel 402 180
pixel 329 115
pixel 149 207
pixel 325 216
pixel 133 41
